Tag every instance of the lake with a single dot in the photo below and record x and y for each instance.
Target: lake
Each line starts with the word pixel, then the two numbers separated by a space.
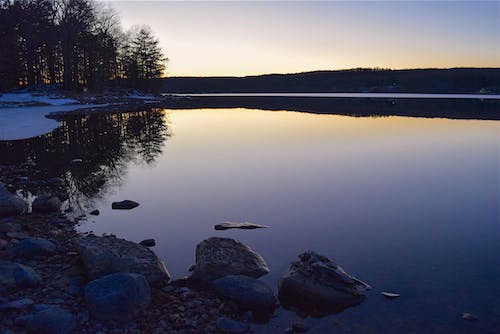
pixel 409 205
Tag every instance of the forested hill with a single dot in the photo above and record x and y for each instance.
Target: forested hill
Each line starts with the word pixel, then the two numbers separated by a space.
pixel 457 80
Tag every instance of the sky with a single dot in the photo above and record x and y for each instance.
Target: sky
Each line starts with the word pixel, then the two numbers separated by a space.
pixel 238 38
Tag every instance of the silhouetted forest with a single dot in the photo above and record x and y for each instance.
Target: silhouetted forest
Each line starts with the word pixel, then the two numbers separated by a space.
pixel 456 80
pixel 75 43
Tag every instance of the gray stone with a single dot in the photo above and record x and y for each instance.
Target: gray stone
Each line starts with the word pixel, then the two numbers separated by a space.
pixel 148 243
pixel 247 292
pixel 52 320
pixel 46 203
pixel 117 297
pixel 219 257
pixel 318 286
pixel 9 227
pixel 15 274
pixel 32 247
pixel 227 325
pixel 10 204
pixel 124 205
pixel 76 162
pixel 245 226
pixel 16 304
pixel 108 254
pixel 94 212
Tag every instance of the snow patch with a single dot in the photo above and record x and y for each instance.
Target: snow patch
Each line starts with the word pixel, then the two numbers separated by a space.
pixel 28 122
pixel 29 98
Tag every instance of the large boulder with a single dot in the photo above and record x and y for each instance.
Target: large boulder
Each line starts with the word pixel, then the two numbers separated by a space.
pixel 15 274
pixel 46 203
pixel 10 204
pixel 33 247
pixel 219 257
pixel 317 286
pixel 247 292
pixel 117 297
pixel 108 254
pixel 52 320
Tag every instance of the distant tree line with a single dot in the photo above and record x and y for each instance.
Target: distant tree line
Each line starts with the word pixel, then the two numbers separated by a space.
pixel 75 43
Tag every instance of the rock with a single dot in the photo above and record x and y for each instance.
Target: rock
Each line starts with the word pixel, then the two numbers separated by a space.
pixel 469 317
pixel 246 225
pixel 297 327
pixel 219 257
pixel 117 297
pixel 52 320
pixel 15 274
pixel 124 205
pixel 46 203
pixel 226 325
pixel 10 204
pixel 9 227
pixel 3 243
pixel 17 235
pixel 108 254
pixel 390 295
pixel 317 286
pixel 148 242
pixel 94 213
pixel 32 247
pixel 247 292
pixel 76 162
pixel 56 181
pixel 16 305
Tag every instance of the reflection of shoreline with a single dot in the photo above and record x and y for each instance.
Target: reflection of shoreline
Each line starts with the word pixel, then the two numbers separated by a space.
pixel 106 142
pixel 359 107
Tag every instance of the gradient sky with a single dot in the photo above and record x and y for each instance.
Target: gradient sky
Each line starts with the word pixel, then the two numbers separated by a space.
pixel 254 37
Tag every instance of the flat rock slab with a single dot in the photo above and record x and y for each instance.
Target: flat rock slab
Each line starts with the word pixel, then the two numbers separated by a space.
pixel 247 292
pixel 245 226
pixel 124 205
pixel 15 274
pixel 314 285
pixel 117 297
pixel 106 255
pixel 46 203
pixel 219 257
pixel 230 326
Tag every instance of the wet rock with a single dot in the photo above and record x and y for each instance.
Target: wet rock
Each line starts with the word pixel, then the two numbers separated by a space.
pixel 46 203
pixel 15 274
pixel 227 325
pixel 297 327
pixel 317 286
pixel 469 317
pixel 76 162
pixel 108 254
pixel 246 225
pixel 124 205
pixel 94 213
pixel 17 235
pixel 247 292
pixel 32 247
pixel 56 181
pixel 390 295
pixel 52 320
pixel 10 204
pixel 117 297
pixel 148 242
pixel 9 227
pixel 219 257
pixel 16 305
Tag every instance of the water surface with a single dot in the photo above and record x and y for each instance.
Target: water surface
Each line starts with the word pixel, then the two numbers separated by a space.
pixel 409 205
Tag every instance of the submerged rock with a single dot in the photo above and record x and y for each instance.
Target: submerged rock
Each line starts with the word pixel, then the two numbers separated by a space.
pixel 469 316
pixel 219 257
pixel 227 325
pixel 10 204
pixel 95 212
pixel 15 274
pixel 390 295
pixel 32 247
pixel 317 286
pixel 247 292
pixel 108 254
pixel 124 205
pixel 46 203
pixel 118 297
pixel 245 226
pixel 52 320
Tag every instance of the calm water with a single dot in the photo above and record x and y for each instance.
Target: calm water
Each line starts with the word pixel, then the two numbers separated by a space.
pixel 409 205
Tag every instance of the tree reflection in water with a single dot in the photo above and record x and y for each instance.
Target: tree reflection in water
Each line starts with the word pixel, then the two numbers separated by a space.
pixel 106 142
